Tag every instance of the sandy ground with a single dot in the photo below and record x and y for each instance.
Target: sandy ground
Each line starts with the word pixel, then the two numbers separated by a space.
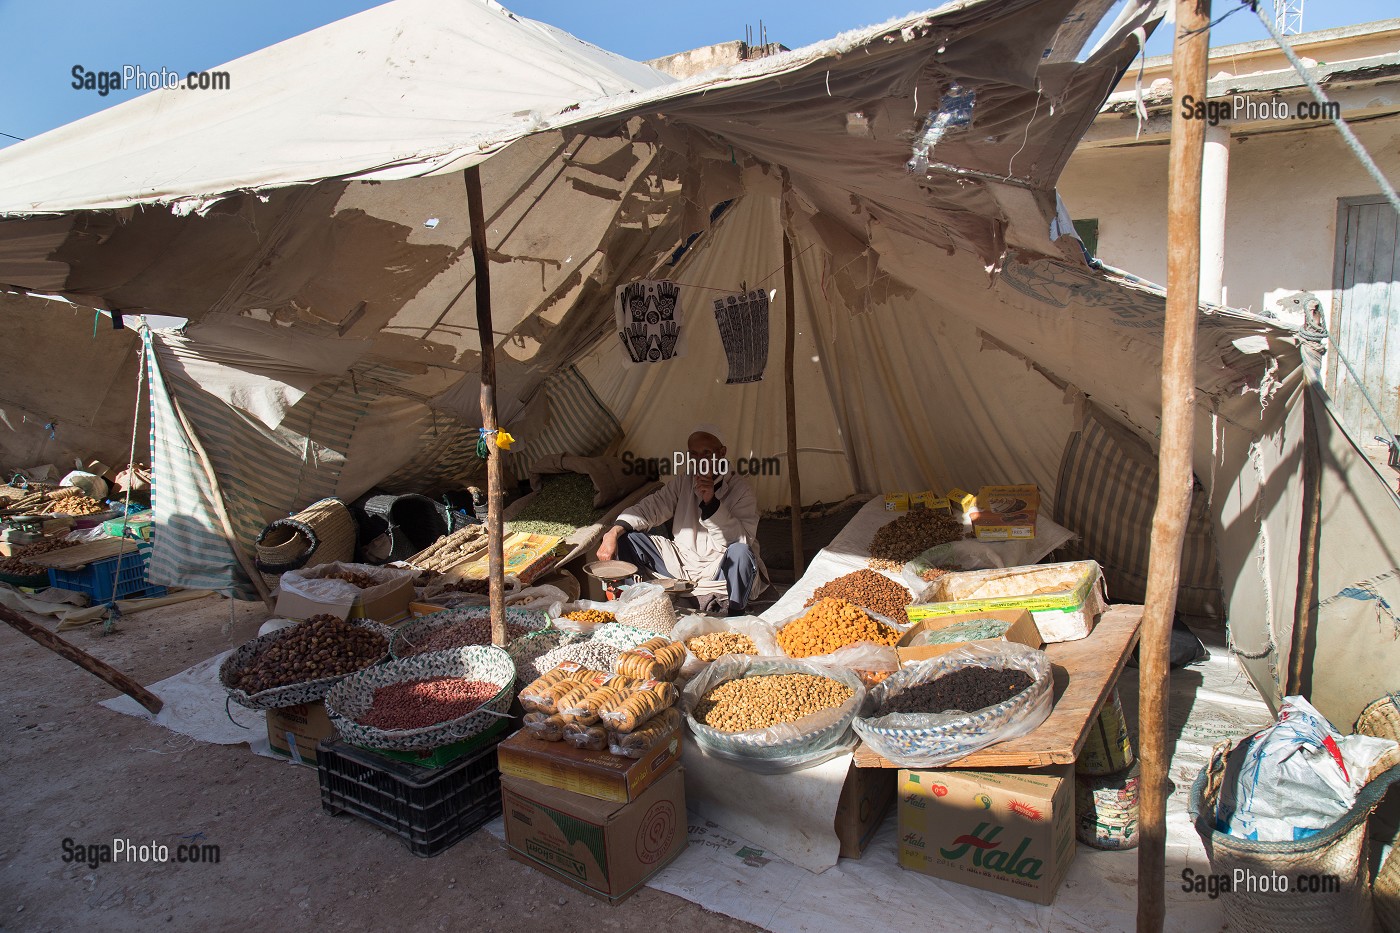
pixel 77 771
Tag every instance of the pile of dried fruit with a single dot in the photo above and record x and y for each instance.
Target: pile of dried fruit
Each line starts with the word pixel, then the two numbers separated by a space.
pixel 590 616
pixel 322 646
pixel 80 504
pixel 354 577
pixel 415 704
pixel 458 634
pixel 869 590
pixel 967 689
pixel 900 541
pixel 716 645
pixel 563 505
pixel 831 624
pixel 759 702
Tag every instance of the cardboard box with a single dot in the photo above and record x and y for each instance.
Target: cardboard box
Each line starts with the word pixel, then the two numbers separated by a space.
pixel 601 847
pixel 1011 832
pixel 1005 513
pixel 1023 631
pixel 896 502
pixel 580 771
pixel 295 731
pixel 961 501
pixel 389 608
pixel 865 799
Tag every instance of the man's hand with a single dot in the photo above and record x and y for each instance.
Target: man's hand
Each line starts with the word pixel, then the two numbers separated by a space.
pixel 705 488
pixel 607 549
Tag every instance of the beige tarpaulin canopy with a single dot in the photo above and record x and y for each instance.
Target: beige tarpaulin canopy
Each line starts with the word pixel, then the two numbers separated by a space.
pixel 311 223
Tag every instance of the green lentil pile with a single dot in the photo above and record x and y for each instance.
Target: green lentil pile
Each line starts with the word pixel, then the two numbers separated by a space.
pixel 563 505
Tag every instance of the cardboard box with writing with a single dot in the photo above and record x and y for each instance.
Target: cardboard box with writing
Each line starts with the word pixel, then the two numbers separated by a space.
pixel 1011 832
pixel 1022 631
pixel 1005 513
pixel 582 771
pixel 295 731
pixel 602 847
pixel 865 799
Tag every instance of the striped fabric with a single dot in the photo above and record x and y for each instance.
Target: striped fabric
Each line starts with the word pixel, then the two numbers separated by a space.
pixel 578 423
pixel 1107 493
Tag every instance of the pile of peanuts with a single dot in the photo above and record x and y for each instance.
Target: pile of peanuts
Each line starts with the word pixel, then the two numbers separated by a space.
pixel 763 701
pixel 869 590
pixel 415 704
pixel 908 536
pixel 463 632
pixel 831 624
pixel 322 646
pixel 77 505
pixel 354 577
pixel 590 616
pixel 716 645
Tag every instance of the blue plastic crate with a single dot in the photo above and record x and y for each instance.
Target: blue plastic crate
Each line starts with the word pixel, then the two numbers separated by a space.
pixel 96 579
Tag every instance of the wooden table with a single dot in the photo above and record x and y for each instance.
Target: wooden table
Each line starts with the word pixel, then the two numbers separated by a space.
pixel 80 555
pixel 1085 671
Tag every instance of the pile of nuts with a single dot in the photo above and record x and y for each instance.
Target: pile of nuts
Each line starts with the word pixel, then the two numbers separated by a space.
pixel 716 645
pixel 77 505
pixel 354 577
pixel 17 564
pixel 592 654
pixel 415 704
pixel 869 590
pixel 831 624
pixel 759 702
pixel 590 616
pixel 908 536
pixel 322 646
pixel 932 574
pixel 458 634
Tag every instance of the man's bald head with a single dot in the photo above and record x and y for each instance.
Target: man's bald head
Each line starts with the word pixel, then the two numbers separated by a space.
pixel 703 441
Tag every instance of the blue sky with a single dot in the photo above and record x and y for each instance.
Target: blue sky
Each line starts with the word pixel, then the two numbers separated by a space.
pixel 46 38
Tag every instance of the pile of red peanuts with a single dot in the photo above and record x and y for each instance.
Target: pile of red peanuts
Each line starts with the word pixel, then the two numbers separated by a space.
pixel 414 704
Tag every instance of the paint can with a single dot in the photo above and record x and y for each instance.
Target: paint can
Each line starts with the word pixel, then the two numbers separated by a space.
pixel 1108 749
pixel 1106 810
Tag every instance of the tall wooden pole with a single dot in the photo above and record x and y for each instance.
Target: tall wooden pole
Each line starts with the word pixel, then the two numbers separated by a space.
pixel 789 385
pixel 487 336
pixel 1175 475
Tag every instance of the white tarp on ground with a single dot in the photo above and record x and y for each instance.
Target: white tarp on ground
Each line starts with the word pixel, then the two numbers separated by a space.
pixel 944 338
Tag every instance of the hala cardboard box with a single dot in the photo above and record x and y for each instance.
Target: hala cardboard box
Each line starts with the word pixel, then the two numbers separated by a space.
pixel 866 797
pixel 1011 832
pixel 1005 513
pixel 581 771
pixel 1022 630
pixel 295 731
pixel 605 848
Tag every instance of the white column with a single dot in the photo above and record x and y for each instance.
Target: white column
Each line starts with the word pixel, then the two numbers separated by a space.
pixel 1215 172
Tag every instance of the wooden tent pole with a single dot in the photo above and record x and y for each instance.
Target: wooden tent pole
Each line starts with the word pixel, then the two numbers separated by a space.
pixel 487 337
pixel 84 660
pixel 789 385
pixel 1175 476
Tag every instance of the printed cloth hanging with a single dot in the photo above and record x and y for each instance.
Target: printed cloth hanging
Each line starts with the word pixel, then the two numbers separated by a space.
pixel 649 320
pixel 743 330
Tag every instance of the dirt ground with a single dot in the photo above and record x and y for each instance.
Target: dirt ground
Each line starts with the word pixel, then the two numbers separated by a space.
pixel 78 771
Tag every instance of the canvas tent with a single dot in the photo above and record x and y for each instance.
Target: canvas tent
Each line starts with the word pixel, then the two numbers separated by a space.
pixel 311 224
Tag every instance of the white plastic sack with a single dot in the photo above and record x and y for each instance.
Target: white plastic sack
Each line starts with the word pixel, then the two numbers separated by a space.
pixel 311 582
pixel 929 740
pixel 547 599
pixel 580 605
pixel 94 486
pixel 763 634
pixel 645 606
pixel 971 554
pixel 1299 776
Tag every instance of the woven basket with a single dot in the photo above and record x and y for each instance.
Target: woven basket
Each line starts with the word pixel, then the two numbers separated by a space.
pixel 323 532
pixel 402 644
pixel 1340 850
pixel 1382 719
pixel 292 694
pixel 353 697
pixel 415 522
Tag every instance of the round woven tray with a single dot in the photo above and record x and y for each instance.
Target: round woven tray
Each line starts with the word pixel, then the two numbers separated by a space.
pixel 292 694
pixel 323 532
pixel 401 646
pixel 354 696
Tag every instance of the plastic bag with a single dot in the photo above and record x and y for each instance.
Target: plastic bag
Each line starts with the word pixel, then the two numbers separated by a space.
pixel 971 554
pixel 311 582
pixel 547 599
pixel 929 740
pixel 787 746
pixel 763 634
pixel 645 606
pixel 1298 777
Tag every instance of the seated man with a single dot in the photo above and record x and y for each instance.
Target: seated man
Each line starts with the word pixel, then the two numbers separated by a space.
pixel 714 528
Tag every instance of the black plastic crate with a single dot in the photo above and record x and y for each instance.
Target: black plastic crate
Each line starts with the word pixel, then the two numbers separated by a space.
pixel 430 809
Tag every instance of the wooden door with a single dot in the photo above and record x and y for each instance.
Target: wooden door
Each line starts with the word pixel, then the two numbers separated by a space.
pixel 1366 315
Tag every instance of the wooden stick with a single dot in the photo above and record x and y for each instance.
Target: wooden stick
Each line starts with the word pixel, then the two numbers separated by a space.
pixel 84 660
pixel 1305 603
pixel 486 335
pixel 789 385
pixel 1175 474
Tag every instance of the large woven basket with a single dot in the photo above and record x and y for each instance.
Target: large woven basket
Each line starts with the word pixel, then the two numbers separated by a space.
pixel 1382 719
pixel 402 645
pixel 415 522
pixel 353 697
pixel 323 532
pixel 292 694
pixel 1341 851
